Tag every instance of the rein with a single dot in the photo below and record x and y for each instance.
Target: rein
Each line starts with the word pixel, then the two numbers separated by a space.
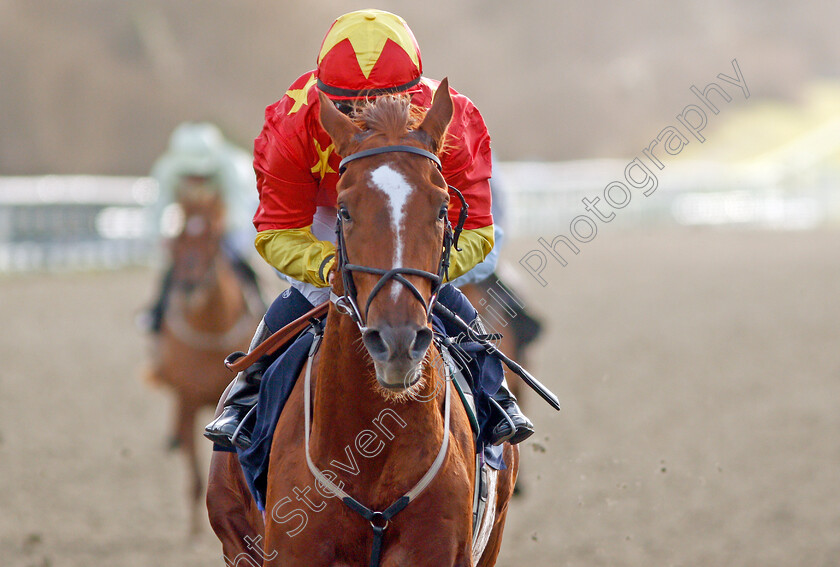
pixel 348 303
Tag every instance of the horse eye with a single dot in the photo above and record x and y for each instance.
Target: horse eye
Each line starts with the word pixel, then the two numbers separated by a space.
pixel 443 212
pixel 345 216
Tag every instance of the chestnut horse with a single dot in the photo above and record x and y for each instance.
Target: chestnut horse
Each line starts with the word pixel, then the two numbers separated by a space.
pixel 386 474
pixel 209 313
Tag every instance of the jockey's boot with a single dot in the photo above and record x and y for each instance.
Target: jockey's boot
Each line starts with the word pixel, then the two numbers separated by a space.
pixel 514 426
pixel 241 399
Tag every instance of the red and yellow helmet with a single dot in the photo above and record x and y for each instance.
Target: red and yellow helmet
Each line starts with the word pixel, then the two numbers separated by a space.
pixel 368 53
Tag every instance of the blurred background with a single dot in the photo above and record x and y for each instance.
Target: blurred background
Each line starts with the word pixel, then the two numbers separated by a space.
pixel 692 341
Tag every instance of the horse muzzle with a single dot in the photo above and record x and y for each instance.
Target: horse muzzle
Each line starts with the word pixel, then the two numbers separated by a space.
pixel 397 353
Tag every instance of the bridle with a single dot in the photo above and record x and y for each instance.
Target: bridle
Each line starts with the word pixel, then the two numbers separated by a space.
pixel 198 244
pixel 348 303
pixel 206 262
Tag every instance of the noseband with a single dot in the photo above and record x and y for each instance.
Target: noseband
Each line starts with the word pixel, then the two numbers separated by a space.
pixel 348 303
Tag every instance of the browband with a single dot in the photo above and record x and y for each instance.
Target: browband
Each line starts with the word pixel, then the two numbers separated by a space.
pixel 387 149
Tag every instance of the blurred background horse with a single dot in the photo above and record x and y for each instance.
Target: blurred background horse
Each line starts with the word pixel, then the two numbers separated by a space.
pixel 209 313
pixel 208 302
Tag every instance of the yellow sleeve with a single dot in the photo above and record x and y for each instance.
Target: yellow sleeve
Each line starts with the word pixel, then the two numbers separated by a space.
pixel 297 253
pixel 475 245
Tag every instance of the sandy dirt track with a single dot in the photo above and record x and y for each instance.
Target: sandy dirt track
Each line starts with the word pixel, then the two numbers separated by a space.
pixel 699 373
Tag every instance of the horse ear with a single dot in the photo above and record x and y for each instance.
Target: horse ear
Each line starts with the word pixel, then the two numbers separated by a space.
pixel 438 117
pixel 340 128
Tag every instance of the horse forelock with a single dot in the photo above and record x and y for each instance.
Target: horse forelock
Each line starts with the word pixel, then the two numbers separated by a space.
pixel 391 116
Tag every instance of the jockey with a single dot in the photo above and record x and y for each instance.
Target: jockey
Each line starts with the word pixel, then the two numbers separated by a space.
pixel 364 54
pixel 199 158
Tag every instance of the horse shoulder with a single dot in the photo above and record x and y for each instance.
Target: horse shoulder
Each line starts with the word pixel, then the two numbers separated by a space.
pixel 287 460
pixel 295 507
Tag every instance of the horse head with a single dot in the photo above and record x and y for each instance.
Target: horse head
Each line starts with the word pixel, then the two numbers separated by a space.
pixel 196 245
pixel 393 228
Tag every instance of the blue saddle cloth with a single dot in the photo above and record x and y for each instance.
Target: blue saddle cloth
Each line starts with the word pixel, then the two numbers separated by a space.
pixel 276 387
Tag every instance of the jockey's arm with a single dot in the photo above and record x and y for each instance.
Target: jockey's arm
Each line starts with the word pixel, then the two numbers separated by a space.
pixel 288 188
pixel 467 166
pixel 298 254
pixel 475 245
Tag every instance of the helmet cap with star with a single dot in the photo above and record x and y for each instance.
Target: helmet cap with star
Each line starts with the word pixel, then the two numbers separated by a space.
pixel 368 53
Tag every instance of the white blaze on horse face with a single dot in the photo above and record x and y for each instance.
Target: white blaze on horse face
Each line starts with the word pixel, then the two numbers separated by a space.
pixel 397 189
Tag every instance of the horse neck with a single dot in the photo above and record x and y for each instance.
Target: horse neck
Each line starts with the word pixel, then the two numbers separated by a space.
pixel 347 404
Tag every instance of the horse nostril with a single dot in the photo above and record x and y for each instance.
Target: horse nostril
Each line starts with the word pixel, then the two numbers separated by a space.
pixel 421 343
pixel 376 345
pixel 393 343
